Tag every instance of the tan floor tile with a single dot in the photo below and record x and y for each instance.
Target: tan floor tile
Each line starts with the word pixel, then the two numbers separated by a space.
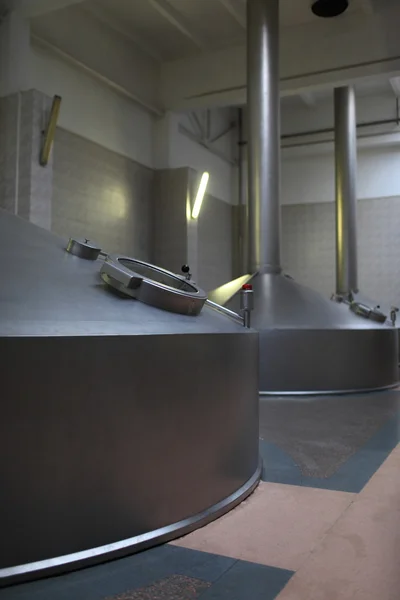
pixel 278 525
pixel 359 559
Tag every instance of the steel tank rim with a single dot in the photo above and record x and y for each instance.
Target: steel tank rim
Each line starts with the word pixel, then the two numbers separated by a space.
pixel 344 392
pixel 94 556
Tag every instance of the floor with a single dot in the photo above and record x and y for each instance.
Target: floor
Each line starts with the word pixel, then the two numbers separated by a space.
pixel 324 524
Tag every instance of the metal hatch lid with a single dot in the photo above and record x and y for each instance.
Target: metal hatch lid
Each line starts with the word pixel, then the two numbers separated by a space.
pixel 152 285
pixel 46 291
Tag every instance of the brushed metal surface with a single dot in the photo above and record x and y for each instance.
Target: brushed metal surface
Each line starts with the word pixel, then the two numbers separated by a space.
pixel 346 190
pixel 310 344
pixel 327 361
pixel 307 342
pixel 46 291
pixel 264 134
pixel 118 419
pixel 60 564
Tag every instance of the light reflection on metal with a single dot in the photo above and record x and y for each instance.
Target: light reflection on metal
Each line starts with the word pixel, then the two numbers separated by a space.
pixel 224 293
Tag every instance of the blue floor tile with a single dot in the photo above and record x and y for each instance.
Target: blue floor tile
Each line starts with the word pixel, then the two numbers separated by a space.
pixel 248 581
pixel 278 467
pixel 115 577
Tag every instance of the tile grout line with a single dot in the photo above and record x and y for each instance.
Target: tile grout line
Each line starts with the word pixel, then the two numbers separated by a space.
pixel 314 550
pixel 356 498
pixel 218 578
pixel 319 542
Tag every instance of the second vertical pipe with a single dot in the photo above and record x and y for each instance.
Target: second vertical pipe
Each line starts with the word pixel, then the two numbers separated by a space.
pixel 346 191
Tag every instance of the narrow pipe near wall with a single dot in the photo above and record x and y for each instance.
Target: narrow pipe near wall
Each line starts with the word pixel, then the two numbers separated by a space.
pixel 50 132
pixel 243 203
pixel 264 135
pixel 346 191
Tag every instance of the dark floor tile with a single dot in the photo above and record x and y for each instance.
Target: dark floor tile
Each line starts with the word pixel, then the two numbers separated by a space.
pixel 200 565
pixel 118 576
pixel 248 581
pixel 94 583
pixel 278 467
pixel 176 587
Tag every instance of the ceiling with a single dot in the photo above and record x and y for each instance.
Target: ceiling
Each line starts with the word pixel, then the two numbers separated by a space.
pixel 169 30
pixel 173 29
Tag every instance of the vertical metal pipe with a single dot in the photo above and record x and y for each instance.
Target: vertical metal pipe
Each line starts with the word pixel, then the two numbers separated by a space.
pixel 346 190
pixel 243 204
pixel 264 135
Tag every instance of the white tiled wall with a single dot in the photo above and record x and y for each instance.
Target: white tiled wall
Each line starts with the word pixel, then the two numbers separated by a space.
pixel 25 186
pixel 308 247
pixel 101 195
pixel 8 152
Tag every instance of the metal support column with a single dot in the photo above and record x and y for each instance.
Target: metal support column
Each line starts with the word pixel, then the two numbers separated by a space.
pixel 346 191
pixel 264 134
pixel 243 197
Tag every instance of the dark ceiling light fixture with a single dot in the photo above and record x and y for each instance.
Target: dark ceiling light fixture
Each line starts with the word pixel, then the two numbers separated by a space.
pixel 329 8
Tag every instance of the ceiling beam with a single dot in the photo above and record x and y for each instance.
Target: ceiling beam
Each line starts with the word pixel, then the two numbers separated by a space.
pixel 177 20
pixel 238 15
pixel 205 144
pixel 137 99
pixel 105 16
pixel 35 8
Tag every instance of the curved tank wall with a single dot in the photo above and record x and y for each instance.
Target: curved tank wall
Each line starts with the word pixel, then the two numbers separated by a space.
pixel 309 344
pixel 122 425
pixel 312 345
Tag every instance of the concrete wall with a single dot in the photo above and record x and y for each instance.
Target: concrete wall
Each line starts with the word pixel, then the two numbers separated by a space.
pixel 170 218
pixel 111 56
pixel 106 151
pixel 204 244
pixel 173 150
pixel 93 110
pixel 103 196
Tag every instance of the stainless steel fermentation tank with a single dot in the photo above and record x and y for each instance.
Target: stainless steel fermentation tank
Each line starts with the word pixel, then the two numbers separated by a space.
pixel 122 425
pixel 308 344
